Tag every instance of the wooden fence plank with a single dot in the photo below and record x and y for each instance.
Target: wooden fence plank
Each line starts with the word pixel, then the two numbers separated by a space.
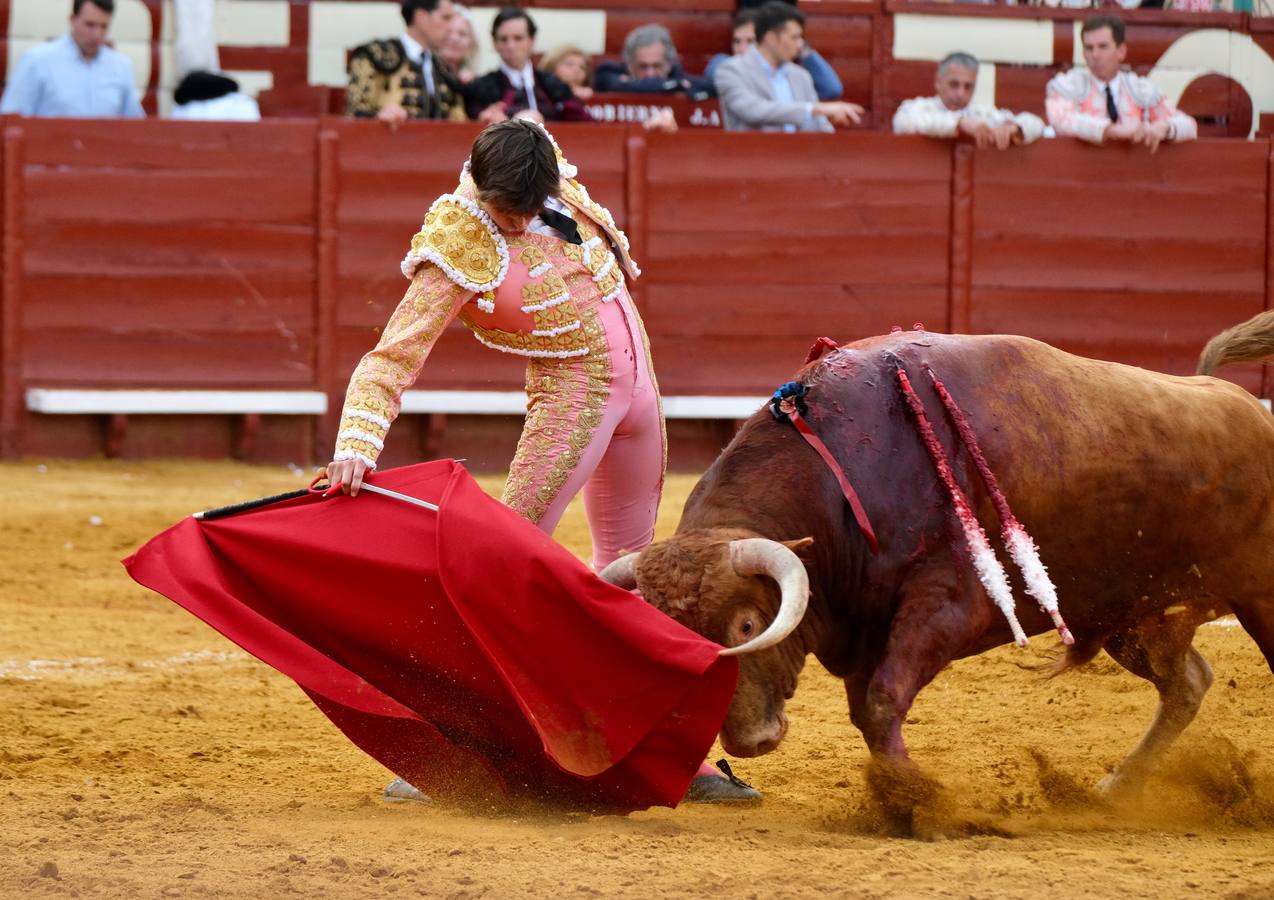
pixel 960 276
pixel 11 245
pixel 752 246
pixel 326 285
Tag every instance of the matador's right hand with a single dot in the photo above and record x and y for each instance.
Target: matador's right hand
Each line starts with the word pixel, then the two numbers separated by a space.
pixel 347 475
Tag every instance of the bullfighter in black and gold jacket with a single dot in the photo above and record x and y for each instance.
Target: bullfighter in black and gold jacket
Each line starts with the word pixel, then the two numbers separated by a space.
pixel 403 78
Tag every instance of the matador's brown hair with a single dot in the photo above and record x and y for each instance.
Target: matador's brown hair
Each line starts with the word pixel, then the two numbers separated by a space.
pixel 514 167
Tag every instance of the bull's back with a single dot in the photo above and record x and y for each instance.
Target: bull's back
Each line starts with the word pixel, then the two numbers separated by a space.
pixel 1122 474
pixel 1093 414
pixel 1053 417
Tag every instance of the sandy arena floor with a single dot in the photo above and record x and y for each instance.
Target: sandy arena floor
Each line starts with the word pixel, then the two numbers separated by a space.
pixel 145 756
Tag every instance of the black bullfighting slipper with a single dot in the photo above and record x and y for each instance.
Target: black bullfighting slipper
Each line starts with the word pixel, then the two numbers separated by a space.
pixel 401 791
pixel 724 788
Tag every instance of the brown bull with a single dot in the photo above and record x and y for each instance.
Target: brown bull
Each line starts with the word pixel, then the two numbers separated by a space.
pixel 1150 496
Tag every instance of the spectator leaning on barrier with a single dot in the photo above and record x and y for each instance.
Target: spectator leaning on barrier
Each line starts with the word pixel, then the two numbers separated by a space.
pixel 573 66
pixel 951 111
pixel 650 66
pixel 1104 103
pixel 826 84
pixel 405 78
pixel 764 90
pixel 76 75
pixel 517 88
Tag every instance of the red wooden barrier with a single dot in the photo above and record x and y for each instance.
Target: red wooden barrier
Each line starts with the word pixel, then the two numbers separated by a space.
pixel 173 252
pixel 216 255
pixel 1118 255
pixel 157 253
pixel 10 288
pixel 750 259
pixel 635 109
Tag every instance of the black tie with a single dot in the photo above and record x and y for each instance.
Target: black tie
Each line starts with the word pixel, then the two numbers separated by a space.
pixel 1111 109
pixel 563 224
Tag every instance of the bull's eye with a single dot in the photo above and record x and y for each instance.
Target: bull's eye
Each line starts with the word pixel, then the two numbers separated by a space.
pixel 746 628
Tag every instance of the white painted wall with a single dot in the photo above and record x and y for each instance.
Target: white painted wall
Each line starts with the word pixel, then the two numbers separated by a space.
pixel 1216 50
pixel 990 40
pixel 335 27
pixel 195 46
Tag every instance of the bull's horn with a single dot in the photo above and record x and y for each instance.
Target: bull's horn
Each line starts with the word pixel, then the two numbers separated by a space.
pixel 622 572
pixel 760 556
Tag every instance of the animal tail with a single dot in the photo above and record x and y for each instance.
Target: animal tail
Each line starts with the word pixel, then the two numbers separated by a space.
pixel 1253 339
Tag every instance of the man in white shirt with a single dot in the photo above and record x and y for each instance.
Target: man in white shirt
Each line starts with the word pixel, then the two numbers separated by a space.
pixel 1104 103
pixel 764 90
pixel 77 75
pixel 516 87
pixel 951 111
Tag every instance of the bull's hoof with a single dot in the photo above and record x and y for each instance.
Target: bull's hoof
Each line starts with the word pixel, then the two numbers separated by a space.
pixel 401 791
pixel 911 803
pixel 1121 786
pixel 724 788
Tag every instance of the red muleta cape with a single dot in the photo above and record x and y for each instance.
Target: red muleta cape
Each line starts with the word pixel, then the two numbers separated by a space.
pixel 463 649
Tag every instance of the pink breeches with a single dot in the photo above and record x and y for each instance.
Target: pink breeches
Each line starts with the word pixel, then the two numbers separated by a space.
pixel 594 425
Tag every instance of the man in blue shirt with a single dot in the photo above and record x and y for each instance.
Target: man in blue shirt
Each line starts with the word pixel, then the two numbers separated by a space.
pixel 77 75
pixel 764 90
pixel 826 82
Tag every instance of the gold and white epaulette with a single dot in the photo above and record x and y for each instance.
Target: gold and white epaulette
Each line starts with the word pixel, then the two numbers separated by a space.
pixel 460 239
pixel 1143 90
pixel 1072 84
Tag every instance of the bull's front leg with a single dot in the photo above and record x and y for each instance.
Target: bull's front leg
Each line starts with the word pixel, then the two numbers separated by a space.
pixel 933 625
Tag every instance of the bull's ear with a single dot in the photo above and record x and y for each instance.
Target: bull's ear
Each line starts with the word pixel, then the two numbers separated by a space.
pixel 799 545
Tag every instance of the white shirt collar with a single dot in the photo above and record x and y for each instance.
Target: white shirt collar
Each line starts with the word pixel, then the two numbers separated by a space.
pixel 1101 85
pixel 773 70
pixel 519 78
pixel 537 226
pixel 522 80
pixel 416 52
pixel 73 49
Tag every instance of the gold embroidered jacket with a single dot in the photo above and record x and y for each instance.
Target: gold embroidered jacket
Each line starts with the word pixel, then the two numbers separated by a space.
pixel 506 289
pixel 381 74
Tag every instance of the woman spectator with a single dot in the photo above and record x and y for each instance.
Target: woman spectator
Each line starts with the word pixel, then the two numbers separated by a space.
pixel 573 66
pixel 516 87
pixel 461 46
